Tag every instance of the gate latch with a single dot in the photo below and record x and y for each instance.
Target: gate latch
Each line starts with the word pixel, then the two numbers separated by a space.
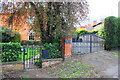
pixel 25 53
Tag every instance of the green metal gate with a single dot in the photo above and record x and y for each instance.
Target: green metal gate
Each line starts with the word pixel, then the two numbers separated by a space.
pixel 32 57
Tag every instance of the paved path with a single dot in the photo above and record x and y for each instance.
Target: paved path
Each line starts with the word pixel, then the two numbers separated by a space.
pixel 111 72
pixel 36 73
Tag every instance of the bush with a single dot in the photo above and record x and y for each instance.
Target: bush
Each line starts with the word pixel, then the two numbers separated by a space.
pixel 9 36
pixel 101 31
pixel 5 35
pixel 53 49
pixel 81 31
pixel 118 32
pixel 16 38
pixel 110 27
pixel 10 51
pixel 94 31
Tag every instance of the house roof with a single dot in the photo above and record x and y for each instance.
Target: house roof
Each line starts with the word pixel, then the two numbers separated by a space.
pixel 97 24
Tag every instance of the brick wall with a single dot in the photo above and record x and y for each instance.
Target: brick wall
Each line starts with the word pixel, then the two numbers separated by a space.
pixel 19 24
pixel 68 47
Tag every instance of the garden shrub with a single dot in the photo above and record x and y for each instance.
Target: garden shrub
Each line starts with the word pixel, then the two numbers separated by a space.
pixel 9 36
pixel 101 31
pixel 10 51
pixel 110 27
pixel 53 49
pixel 94 31
pixel 81 31
pixel 5 35
pixel 118 32
pixel 16 38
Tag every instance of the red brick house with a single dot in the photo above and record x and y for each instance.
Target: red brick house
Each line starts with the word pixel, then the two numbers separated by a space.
pixel 93 26
pixel 20 23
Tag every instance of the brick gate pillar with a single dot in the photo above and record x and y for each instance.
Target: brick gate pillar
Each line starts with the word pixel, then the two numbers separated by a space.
pixel 68 47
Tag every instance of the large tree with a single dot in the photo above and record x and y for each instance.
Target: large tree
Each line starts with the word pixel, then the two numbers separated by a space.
pixel 55 19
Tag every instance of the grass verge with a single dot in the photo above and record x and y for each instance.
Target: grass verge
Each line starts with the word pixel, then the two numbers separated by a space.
pixel 73 69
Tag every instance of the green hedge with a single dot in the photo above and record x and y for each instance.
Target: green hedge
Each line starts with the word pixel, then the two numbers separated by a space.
pixel 118 32
pixel 53 49
pixel 110 27
pixel 10 51
pixel 9 36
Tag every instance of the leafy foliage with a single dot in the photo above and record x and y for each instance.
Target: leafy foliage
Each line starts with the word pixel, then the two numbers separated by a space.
pixel 118 32
pixel 110 26
pixel 81 31
pixel 16 37
pixel 94 31
pixel 9 36
pixel 101 31
pixel 53 49
pixel 5 34
pixel 10 51
pixel 54 19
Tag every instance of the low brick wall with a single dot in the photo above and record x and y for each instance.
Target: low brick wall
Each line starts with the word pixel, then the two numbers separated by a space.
pixel 50 63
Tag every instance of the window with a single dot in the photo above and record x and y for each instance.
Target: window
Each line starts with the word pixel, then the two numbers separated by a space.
pixel 32 19
pixel 9 21
pixel 31 35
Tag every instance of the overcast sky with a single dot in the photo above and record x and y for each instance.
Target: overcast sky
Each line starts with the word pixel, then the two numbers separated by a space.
pixel 99 9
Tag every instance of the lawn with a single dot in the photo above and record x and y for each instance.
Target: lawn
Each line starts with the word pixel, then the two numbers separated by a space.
pixel 73 69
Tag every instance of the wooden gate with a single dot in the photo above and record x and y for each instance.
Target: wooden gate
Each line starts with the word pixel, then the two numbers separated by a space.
pixel 87 43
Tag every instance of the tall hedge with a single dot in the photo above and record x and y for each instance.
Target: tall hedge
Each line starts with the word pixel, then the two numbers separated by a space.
pixel 118 32
pixel 110 27
pixel 10 51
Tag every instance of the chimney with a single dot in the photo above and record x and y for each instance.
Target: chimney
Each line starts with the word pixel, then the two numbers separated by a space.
pixel 89 25
pixel 85 26
pixel 94 22
pixel 102 20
